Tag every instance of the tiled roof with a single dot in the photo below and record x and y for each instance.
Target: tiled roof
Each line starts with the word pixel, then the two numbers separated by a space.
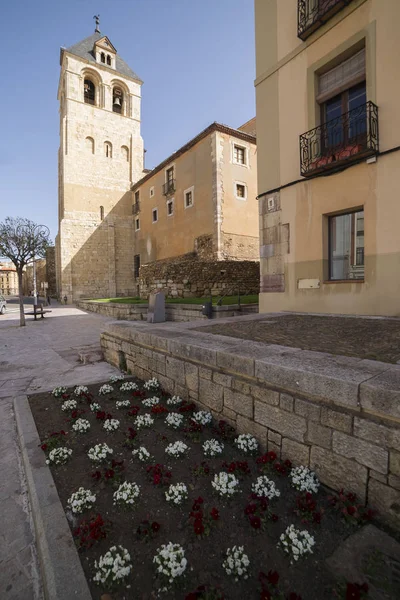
pixel 84 49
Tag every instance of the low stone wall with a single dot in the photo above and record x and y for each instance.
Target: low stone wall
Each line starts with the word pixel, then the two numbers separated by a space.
pixel 188 277
pixel 339 415
pixel 173 312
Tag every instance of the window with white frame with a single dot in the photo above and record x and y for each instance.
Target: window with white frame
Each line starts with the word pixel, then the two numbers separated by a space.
pixel 155 215
pixel 188 196
pixel 240 190
pixel 137 224
pixel 239 155
pixel 170 208
pixel 152 191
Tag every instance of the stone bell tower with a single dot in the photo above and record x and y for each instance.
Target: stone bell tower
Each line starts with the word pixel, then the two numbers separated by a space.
pixel 100 156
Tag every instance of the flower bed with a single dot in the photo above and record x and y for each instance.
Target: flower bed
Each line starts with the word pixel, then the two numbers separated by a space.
pixel 215 518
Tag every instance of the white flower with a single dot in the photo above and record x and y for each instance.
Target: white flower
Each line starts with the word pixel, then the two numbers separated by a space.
pixel 59 456
pixel 202 417
pixel 127 494
pixel 123 404
pixel 265 487
pixel 236 562
pixel 174 401
pixel 81 500
pixel 116 378
pixel 176 449
pixel 296 543
pixel 170 562
pixel 95 407
pixel 81 425
pixel 128 386
pixel 113 567
pixel 212 448
pixel 99 453
pixel 304 480
pixel 80 390
pixel 143 454
pixel 105 389
pixel 225 484
pixel 176 493
pixel 59 391
pixel 69 405
pixel 247 443
pixel 149 402
pixel 145 420
pixel 174 420
pixel 111 425
pixel 151 385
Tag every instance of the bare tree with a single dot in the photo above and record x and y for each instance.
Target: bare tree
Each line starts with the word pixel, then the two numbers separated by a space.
pixel 22 240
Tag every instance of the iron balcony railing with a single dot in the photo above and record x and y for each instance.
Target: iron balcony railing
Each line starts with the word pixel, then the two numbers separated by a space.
pixel 136 207
pixel 168 187
pixel 349 137
pixel 312 14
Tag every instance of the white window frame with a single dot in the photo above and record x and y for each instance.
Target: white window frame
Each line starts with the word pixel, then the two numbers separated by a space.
pixel 246 149
pixel 235 184
pixel 152 215
pixel 171 166
pixel 137 220
pixel 191 189
pixel 171 201
pixel 151 191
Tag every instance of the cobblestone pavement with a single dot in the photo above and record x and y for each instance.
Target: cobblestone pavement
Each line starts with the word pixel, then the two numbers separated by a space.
pixel 34 358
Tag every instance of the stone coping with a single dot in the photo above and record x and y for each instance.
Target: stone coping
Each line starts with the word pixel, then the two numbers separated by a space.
pixel 62 573
pixel 177 305
pixel 356 384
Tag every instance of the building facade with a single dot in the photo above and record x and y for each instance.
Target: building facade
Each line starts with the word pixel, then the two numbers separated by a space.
pixel 328 136
pixel 200 199
pixel 8 279
pixel 100 156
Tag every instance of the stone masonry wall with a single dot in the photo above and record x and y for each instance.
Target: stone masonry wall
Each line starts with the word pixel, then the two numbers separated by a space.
pixel 189 277
pixel 348 432
pixel 51 270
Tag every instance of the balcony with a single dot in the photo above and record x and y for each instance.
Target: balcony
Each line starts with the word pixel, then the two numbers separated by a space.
pixel 347 138
pixel 168 187
pixel 312 14
pixel 136 207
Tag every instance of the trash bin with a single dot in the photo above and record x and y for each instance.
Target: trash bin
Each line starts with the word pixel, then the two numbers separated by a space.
pixel 207 310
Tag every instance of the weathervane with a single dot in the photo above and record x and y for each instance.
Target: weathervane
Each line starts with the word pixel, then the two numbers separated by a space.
pixel 97 19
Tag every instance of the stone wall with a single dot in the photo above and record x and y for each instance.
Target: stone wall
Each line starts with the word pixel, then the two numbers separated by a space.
pixel 339 415
pixel 51 270
pixel 189 277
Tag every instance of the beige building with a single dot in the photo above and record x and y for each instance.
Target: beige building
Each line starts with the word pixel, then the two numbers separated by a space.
pixel 201 198
pixel 8 279
pixel 328 135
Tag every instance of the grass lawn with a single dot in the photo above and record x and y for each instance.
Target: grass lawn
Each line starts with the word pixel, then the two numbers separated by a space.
pixel 204 516
pixel 252 299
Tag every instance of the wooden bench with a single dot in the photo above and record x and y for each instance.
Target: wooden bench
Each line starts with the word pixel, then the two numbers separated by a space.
pixel 38 311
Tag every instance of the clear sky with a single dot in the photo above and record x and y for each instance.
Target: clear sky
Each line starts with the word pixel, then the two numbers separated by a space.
pixel 196 58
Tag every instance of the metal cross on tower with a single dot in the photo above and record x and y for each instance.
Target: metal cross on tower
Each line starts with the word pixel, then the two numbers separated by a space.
pixel 97 19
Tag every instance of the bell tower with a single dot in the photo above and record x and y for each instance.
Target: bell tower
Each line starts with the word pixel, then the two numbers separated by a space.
pixel 100 157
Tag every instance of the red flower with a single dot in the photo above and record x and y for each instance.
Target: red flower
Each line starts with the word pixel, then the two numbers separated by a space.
pixel 250 509
pixel 214 514
pixel 351 497
pixel 132 433
pixel 109 474
pixel 356 591
pixel 351 510
pixel 272 455
pixel 96 475
pixel 274 518
pixel 273 577
pixel 255 522
pixel 155 526
pixel 44 447
pixel 198 527
pixel 288 464
pixel 317 518
pixel 101 415
pixel 156 479
pixel 191 596
pixel 293 596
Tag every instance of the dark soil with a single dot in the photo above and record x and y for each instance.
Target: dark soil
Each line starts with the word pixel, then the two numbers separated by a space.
pixel 308 578
pixel 375 339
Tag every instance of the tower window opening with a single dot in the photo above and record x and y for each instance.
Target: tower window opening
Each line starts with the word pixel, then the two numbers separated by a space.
pixel 118 98
pixel 109 60
pixel 101 213
pixel 103 57
pixel 89 92
pixel 108 149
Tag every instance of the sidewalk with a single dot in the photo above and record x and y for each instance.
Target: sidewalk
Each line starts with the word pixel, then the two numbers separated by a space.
pixel 35 358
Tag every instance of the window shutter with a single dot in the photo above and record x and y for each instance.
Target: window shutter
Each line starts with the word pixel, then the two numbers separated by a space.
pixel 339 78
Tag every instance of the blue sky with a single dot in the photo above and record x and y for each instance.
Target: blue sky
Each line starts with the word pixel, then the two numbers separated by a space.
pixel 196 58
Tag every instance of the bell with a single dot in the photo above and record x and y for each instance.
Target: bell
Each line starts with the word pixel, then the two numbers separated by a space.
pixel 117 102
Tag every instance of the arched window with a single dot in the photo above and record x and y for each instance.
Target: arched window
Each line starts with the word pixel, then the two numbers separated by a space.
pixel 89 144
pixel 103 57
pixel 118 98
pixel 89 92
pixel 109 60
pixel 108 149
pixel 101 213
pixel 125 153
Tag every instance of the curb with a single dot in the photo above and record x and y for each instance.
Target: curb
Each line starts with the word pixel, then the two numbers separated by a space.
pixel 61 569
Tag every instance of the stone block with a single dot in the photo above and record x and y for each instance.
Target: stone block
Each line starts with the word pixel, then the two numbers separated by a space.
pixel 287 424
pixel 381 394
pixel 235 362
pixel 142 362
pixel 378 476
pixel 239 403
pixel 274 448
pixel 386 500
pixel 205 373
pixel 310 411
pixel 175 369
pixel 265 395
pixel 229 414
pixel 339 472
pixel 299 454
pixel 245 425
pixel 394 482
pixel 211 394
pixel 224 380
pixel 336 420
pixel 381 435
pixel 363 452
pixel 319 435
pixel 241 386
pixel 394 463
pixel 286 402
pixel 192 377
pixel 167 384
pixel 274 437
